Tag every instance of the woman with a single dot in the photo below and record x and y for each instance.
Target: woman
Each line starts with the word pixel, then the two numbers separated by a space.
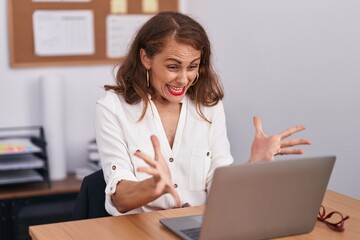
pixel 166 88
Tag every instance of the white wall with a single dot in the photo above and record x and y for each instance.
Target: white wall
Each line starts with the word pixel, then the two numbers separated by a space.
pixel 291 62
pixel 20 97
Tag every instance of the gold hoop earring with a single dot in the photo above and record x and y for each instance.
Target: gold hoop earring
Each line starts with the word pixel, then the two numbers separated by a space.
pixel 147 78
pixel 196 79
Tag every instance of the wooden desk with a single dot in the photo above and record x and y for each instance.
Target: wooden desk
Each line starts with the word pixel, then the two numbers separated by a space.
pixel 147 226
pixel 26 204
pixel 68 185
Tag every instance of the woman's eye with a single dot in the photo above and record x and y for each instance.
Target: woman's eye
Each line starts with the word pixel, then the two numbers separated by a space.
pixel 191 67
pixel 172 67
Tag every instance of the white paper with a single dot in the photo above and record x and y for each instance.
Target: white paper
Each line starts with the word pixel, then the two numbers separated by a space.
pixel 82 172
pixel 118 6
pixel 53 113
pixel 61 33
pixel 19 176
pixel 150 6
pixel 120 30
pixel 21 162
pixel 94 156
pixel 92 146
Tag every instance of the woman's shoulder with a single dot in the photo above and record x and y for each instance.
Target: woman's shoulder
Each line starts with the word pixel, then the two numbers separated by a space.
pixel 116 102
pixel 218 107
pixel 210 112
pixel 111 100
pixel 111 97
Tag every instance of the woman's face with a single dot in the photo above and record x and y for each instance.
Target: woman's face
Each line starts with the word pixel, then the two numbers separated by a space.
pixel 172 71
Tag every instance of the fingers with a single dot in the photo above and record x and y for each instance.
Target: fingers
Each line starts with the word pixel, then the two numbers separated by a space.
pixel 176 197
pixel 285 148
pixel 285 145
pixel 174 193
pixel 290 131
pixel 149 160
pixel 170 189
pixel 258 126
pixel 156 145
pixel 160 173
pixel 295 142
pixel 155 142
pixel 150 171
pixel 266 147
pixel 288 151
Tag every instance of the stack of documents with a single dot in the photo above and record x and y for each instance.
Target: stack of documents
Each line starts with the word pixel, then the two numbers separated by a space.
pixel 14 162
pixel 93 155
pixel 93 163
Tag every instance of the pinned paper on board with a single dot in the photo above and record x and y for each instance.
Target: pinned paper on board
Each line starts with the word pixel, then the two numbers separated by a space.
pixel 120 29
pixel 61 0
pixel 42 39
pixel 63 32
pixel 150 6
pixel 118 6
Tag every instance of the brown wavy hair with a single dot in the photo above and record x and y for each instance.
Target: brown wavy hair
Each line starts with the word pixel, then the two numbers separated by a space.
pixel 131 76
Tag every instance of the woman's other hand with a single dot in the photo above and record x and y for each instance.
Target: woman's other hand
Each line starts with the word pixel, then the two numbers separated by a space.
pixel 159 170
pixel 267 147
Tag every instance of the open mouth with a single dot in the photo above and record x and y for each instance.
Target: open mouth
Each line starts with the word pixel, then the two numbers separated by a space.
pixel 175 91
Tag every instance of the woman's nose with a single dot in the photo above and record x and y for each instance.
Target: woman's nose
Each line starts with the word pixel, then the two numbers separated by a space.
pixel 183 77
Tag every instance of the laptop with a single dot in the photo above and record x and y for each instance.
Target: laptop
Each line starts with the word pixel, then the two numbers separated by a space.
pixel 259 201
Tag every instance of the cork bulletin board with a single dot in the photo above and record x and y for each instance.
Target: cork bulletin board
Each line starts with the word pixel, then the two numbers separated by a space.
pixel 21 28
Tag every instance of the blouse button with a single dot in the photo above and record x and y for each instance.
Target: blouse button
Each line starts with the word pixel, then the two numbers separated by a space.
pixel 113 167
pixel 208 154
pixel 171 159
pixel 175 185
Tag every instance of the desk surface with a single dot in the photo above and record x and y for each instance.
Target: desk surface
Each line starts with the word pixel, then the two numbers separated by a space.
pixel 147 226
pixel 68 185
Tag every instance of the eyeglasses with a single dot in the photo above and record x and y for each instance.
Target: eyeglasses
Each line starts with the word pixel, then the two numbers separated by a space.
pixel 339 219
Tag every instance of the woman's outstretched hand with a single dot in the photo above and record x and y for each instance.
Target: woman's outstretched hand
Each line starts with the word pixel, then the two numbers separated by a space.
pixel 267 147
pixel 159 170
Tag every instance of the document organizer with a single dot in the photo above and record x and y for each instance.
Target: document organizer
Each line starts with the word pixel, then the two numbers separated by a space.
pixel 23 155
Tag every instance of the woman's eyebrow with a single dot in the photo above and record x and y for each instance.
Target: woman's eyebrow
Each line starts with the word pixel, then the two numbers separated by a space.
pixel 173 59
pixel 196 59
pixel 176 60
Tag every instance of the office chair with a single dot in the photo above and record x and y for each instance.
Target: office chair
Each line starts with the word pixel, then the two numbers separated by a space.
pixel 90 202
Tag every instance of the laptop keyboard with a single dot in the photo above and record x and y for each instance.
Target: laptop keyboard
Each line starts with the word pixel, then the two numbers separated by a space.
pixel 193 233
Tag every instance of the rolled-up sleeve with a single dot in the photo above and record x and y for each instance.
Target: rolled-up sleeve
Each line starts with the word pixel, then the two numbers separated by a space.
pixel 114 153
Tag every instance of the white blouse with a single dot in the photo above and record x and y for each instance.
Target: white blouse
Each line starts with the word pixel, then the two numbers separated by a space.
pixel 199 147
